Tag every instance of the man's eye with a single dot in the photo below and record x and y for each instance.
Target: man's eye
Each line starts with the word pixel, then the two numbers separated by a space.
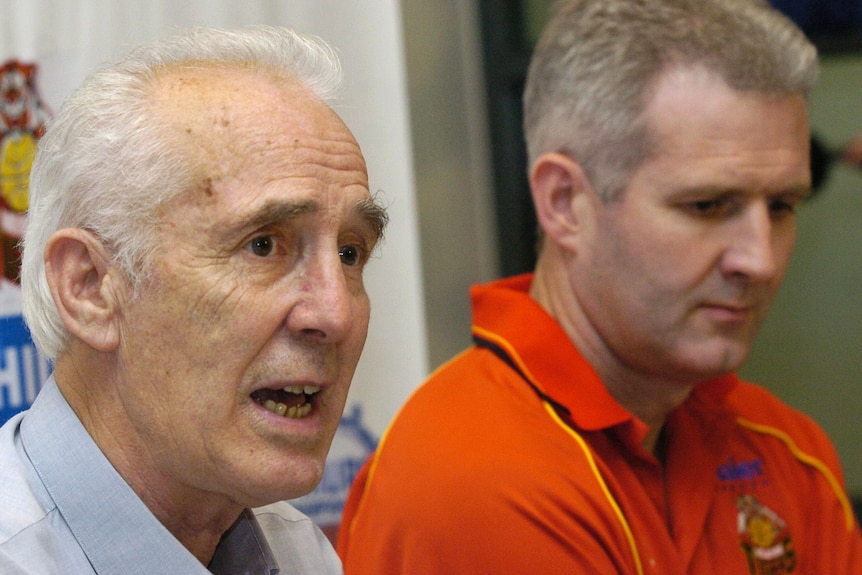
pixel 350 255
pixel 711 208
pixel 705 206
pixel 262 246
pixel 781 207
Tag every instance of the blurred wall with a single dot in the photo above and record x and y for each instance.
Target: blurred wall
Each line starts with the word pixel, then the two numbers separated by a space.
pixel 452 164
pixel 810 350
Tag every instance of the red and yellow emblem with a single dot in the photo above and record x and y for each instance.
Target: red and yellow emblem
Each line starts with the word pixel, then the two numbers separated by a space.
pixel 764 538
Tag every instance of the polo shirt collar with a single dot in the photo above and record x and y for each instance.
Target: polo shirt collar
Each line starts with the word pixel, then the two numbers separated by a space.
pixel 505 314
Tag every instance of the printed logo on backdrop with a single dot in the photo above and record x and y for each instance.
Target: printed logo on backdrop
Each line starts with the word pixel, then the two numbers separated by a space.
pixel 22 123
pixel 352 445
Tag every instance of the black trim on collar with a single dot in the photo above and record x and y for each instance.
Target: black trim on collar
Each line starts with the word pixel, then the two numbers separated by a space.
pixel 503 355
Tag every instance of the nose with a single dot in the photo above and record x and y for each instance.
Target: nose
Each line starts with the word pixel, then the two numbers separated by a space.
pixel 326 308
pixel 752 251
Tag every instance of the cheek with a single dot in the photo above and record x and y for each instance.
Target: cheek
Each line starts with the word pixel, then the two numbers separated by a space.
pixel 210 300
pixel 359 328
pixel 677 256
pixel 649 272
pixel 634 256
pixel 194 323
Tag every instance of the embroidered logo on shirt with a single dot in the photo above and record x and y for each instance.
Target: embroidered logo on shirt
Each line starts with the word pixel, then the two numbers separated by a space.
pixel 741 476
pixel 764 538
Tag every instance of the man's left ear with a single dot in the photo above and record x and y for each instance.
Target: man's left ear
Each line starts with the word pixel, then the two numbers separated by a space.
pixel 84 286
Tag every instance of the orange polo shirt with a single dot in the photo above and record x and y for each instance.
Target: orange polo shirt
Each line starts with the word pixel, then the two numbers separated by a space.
pixel 514 459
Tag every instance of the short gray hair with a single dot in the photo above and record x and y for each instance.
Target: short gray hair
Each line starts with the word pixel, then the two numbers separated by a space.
pixel 597 62
pixel 106 164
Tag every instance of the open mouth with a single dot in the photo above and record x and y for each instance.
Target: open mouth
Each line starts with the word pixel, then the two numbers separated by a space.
pixel 293 401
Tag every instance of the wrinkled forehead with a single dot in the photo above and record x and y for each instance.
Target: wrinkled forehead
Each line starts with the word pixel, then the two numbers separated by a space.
pixel 253 137
pixel 223 114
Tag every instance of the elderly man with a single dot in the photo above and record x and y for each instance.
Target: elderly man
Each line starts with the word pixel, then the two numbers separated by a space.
pixel 597 425
pixel 200 220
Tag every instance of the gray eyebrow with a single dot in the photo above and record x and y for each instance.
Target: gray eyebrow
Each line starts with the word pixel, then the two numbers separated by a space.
pixel 280 211
pixel 375 216
pixel 371 213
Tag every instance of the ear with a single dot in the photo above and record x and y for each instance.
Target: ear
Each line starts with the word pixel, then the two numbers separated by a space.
pixel 563 198
pixel 84 287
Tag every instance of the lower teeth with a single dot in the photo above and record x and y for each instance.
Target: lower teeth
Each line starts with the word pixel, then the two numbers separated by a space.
pixel 293 412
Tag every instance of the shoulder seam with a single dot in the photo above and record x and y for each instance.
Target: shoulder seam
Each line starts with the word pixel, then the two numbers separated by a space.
pixel 807 459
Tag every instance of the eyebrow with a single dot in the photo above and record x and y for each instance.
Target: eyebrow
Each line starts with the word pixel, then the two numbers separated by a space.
pixel 374 215
pixel 279 211
pixel 370 213
pixel 801 191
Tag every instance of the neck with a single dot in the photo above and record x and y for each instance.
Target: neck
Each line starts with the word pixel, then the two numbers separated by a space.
pixel 649 401
pixel 649 398
pixel 198 531
pixel 196 518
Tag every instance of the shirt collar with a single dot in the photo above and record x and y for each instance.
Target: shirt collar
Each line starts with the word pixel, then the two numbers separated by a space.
pixel 504 313
pixel 244 549
pixel 537 343
pixel 114 528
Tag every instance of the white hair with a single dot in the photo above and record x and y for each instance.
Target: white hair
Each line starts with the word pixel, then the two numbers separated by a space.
pixel 106 164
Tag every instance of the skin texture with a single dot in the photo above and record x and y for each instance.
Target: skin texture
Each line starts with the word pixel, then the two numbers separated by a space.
pixel 257 284
pixel 667 286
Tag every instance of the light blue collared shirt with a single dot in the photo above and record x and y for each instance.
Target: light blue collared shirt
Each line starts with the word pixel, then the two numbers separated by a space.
pixel 65 510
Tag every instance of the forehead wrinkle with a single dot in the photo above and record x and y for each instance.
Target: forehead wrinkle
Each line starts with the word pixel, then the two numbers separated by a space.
pixel 317 153
pixel 226 129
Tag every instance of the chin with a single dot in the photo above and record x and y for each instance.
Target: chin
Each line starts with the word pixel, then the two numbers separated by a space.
pixel 717 363
pixel 273 494
pixel 291 478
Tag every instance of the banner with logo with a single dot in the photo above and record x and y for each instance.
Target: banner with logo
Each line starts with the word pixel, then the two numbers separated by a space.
pixel 49 46
pixel 22 122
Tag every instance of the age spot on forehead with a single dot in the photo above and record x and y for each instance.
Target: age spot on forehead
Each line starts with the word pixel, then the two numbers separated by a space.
pixel 207 186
